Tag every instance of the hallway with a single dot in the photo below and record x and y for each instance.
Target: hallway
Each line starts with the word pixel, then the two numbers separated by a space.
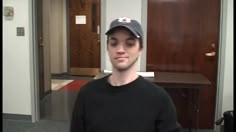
pixel 59 104
pixel 55 108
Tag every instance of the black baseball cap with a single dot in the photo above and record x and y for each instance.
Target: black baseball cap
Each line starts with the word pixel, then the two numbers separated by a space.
pixel 130 24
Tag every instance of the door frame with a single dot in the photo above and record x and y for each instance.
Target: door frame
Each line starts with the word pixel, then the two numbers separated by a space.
pixel 221 60
pixel 35 99
pixel 34 57
pixel 34 62
pixel 34 66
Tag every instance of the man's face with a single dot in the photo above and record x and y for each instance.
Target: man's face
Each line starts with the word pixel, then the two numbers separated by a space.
pixel 123 49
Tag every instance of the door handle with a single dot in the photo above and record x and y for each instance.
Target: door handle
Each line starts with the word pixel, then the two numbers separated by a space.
pixel 213 53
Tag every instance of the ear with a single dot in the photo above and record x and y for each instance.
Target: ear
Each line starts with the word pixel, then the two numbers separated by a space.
pixel 140 50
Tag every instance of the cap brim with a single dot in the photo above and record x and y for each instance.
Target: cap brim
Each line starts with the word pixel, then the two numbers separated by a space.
pixel 125 26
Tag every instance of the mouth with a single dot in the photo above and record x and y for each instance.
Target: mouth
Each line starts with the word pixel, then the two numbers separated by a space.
pixel 118 58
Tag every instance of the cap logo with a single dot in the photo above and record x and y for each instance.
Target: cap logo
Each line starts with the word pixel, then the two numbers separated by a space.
pixel 124 20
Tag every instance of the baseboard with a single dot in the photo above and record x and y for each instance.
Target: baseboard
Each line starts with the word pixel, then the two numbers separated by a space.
pixel 17 117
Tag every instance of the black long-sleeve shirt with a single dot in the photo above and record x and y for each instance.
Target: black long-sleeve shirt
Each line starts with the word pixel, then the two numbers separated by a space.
pixel 139 106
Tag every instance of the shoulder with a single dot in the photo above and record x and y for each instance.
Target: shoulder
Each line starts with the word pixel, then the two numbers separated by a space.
pixel 150 86
pixel 154 89
pixel 93 85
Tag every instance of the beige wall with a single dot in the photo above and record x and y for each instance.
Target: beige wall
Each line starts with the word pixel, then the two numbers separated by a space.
pixel 64 37
pixel 58 44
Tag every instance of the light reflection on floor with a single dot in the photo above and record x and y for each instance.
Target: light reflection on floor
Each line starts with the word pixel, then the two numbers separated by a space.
pixel 58 83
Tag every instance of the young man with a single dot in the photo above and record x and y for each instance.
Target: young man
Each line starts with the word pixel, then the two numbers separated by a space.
pixel 123 101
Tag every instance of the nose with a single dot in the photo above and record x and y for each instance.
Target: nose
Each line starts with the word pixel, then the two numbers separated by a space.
pixel 120 49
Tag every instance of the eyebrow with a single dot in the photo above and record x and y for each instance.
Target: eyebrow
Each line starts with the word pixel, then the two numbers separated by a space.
pixel 112 38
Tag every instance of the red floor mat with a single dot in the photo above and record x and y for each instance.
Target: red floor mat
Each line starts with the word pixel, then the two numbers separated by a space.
pixel 75 85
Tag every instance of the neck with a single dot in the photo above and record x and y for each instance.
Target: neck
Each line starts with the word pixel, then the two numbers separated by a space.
pixel 121 78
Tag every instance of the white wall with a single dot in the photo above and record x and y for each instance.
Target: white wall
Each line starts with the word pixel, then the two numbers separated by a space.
pixel 115 9
pixel 16 60
pixel 227 102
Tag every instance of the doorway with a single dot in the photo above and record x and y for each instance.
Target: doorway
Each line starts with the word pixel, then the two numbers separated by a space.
pixel 56 104
pixel 84 30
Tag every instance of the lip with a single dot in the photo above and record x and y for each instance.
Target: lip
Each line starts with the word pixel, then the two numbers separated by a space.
pixel 121 58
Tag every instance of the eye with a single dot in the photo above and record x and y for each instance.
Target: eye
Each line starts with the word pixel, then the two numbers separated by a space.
pixel 113 43
pixel 130 43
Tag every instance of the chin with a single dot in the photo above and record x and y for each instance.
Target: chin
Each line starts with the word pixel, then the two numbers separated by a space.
pixel 122 67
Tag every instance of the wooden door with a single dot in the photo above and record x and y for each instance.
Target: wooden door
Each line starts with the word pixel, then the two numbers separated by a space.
pixel 183 36
pixel 42 44
pixel 84 32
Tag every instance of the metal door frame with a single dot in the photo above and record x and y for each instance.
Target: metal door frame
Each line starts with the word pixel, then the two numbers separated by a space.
pixel 34 75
